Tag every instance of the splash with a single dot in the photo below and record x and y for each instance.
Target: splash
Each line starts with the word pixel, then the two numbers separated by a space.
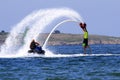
pixel 36 22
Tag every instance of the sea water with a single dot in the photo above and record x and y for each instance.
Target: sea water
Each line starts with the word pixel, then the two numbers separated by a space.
pixel 65 68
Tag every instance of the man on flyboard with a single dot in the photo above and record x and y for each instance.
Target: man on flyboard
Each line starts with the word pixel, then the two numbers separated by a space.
pixel 85 36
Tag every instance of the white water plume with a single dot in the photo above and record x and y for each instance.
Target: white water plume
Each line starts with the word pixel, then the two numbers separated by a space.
pixel 37 22
pixel 12 40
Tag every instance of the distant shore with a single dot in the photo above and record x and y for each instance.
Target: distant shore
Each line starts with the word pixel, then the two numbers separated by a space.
pixel 70 39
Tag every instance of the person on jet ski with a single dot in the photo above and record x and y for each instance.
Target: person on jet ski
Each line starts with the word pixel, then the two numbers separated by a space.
pixel 34 46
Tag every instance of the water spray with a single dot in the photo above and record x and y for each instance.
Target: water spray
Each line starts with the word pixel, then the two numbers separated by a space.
pixel 69 20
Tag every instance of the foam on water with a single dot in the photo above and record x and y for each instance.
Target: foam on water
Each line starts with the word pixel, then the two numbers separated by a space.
pixel 49 54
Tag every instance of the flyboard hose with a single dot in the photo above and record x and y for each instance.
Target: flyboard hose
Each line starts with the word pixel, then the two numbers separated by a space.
pixel 69 20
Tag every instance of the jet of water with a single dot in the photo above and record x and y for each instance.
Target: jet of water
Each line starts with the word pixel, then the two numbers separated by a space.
pixel 55 28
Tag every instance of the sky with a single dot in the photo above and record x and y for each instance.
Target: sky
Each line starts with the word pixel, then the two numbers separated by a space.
pixel 101 16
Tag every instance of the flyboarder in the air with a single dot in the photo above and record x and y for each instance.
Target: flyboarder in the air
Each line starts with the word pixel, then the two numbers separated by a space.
pixel 85 36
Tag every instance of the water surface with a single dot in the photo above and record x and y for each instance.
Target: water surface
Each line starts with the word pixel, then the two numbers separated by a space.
pixel 65 68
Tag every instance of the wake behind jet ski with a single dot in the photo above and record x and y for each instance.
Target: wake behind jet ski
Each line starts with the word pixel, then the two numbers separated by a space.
pixel 35 48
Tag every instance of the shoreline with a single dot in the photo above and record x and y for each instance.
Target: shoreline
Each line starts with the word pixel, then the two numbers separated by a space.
pixel 70 39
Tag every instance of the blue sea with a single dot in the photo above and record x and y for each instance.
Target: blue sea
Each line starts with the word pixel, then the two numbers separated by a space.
pixel 101 67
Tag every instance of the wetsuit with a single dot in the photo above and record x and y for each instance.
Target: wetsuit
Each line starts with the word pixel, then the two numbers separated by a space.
pixel 85 41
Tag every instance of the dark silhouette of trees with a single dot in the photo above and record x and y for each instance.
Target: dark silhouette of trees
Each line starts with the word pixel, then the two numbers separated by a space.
pixel 57 32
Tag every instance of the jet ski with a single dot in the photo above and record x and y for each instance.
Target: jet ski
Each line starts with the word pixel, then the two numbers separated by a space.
pixel 35 48
pixel 36 52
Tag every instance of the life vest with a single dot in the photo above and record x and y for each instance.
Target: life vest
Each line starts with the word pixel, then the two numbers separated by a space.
pixel 85 35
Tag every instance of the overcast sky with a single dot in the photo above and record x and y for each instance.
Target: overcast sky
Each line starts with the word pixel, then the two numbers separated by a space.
pixel 102 16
